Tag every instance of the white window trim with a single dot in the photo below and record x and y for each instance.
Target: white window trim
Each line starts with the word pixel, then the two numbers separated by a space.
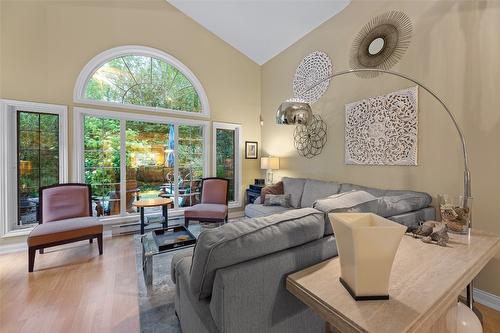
pixel 103 57
pixel 7 148
pixel 79 113
pixel 237 202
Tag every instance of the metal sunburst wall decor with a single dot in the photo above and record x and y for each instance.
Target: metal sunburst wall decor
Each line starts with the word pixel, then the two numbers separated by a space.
pixel 313 68
pixel 382 42
pixel 310 139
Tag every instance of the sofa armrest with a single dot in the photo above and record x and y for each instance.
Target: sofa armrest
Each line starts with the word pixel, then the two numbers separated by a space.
pixel 252 296
pixel 176 259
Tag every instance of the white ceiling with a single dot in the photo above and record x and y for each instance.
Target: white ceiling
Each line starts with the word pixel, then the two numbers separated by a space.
pixel 260 29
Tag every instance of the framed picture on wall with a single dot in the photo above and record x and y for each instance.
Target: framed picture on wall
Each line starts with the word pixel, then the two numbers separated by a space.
pixel 251 150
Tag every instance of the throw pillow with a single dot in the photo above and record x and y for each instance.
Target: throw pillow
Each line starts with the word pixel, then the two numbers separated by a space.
pixel 282 200
pixel 271 189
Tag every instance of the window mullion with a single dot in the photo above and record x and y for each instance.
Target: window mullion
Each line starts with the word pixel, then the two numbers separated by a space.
pixel 176 166
pixel 123 167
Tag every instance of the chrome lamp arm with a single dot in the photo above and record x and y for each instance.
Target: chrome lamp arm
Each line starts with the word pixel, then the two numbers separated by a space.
pixel 467 177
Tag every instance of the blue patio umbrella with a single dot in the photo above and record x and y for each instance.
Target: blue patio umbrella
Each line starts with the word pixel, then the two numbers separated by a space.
pixel 171 145
pixel 171 156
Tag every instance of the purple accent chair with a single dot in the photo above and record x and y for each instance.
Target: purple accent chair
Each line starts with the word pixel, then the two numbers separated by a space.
pixel 64 216
pixel 213 206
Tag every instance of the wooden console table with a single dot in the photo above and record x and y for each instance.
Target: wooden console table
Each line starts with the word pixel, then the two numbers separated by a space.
pixel 426 281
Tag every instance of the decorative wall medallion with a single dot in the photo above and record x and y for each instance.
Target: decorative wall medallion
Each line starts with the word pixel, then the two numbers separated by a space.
pixel 381 43
pixel 383 130
pixel 313 68
pixel 309 140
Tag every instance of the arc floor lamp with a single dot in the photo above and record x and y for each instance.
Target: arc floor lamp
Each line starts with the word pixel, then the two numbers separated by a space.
pixel 296 112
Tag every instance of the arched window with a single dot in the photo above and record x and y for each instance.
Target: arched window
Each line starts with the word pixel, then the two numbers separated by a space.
pixel 139 77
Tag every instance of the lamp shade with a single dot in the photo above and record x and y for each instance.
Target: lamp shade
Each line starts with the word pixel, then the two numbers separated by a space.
pixel 267 163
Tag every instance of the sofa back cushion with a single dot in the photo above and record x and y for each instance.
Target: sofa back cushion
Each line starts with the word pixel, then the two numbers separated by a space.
pixel 393 202
pixel 294 187
pixel 237 242
pixel 317 189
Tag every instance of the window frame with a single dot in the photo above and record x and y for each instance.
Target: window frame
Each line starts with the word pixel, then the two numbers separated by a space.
pixel 238 140
pixel 138 50
pixel 78 168
pixel 8 162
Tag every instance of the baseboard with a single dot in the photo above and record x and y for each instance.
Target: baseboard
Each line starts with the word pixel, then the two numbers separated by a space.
pixel 14 247
pixel 236 214
pixel 487 299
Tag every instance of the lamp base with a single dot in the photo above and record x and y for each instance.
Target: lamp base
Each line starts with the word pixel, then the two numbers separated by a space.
pixel 362 298
pixel 269 177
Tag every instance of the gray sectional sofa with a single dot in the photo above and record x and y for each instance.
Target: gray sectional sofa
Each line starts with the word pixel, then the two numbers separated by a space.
pixel 405 207
pixel 234 280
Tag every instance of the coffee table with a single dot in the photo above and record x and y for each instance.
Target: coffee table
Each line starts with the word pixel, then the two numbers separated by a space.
pixel 159 202
pixel 162 241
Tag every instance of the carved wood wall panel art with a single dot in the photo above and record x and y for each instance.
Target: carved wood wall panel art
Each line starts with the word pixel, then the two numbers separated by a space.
pixel 383 130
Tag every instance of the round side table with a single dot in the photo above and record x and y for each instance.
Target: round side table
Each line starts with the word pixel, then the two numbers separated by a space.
pixel 159 202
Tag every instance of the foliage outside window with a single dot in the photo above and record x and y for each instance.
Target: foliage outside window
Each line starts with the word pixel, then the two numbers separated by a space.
pixel 225 157
pixel 37 160
pixel 190 164
pixel 150 162
pixel 143 81
pixel 102 162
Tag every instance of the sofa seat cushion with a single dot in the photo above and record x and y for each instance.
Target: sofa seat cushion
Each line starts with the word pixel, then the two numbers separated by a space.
pixel 258 210
pixel 63 230
pixel 209 211
pixel 294 187
pixel 317 189
pixel 237 242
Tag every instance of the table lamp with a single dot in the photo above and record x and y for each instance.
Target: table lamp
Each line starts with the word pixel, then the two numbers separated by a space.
pixel 269 164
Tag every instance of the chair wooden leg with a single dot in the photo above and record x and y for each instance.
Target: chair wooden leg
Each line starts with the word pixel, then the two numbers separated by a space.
pixel 31 258
pixel 91 240
pixel 99 243
pixel 41 251
pixel 186 222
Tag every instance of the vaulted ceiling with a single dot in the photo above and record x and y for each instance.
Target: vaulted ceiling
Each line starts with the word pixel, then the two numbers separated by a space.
pixel 260 29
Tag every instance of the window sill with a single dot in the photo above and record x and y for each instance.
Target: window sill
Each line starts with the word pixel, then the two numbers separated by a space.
pixel 17 233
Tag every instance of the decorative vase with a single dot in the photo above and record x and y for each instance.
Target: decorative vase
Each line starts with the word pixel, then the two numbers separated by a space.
pixel 455 212
pixel 367 245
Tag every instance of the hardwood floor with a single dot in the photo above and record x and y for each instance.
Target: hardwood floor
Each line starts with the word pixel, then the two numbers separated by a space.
pixel 76 290
pixel 491 319
pixel 71 290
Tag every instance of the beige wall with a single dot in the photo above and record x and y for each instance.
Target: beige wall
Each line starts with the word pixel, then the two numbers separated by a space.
pixel 454 50
pixel 45 44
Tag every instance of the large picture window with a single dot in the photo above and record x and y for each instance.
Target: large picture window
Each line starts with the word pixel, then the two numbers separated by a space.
pixel 130 157
pixel 139 77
